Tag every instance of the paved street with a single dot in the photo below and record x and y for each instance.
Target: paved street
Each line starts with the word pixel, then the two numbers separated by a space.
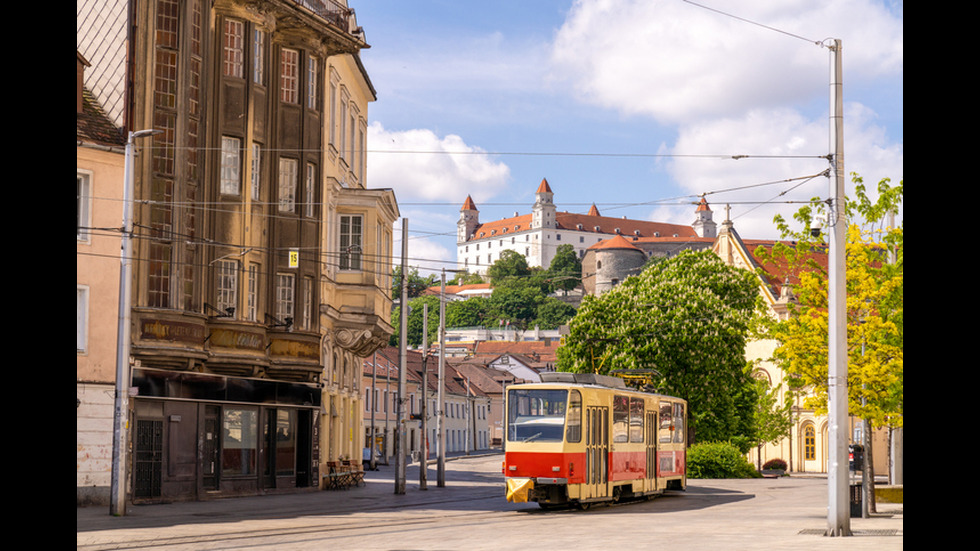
pixel 470 512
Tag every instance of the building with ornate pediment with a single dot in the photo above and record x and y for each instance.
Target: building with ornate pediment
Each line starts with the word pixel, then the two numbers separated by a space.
pixel 261 257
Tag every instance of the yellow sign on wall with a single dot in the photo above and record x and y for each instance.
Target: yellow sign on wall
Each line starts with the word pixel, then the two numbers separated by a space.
pixel 293 258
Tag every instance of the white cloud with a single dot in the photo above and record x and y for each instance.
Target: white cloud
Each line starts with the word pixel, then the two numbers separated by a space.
pixel 731 87
pixel 421 166
pixel 782 133
pixel 677 62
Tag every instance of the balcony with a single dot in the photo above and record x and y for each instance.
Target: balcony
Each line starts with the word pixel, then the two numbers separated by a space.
pixel 336 15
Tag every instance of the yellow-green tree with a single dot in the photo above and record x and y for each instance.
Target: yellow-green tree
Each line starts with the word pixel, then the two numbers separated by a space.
pixel 875 307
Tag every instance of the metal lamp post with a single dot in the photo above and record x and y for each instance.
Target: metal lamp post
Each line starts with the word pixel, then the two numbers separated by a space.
pixel 117 490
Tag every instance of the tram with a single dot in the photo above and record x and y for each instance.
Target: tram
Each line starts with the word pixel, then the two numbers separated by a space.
pixel 582 438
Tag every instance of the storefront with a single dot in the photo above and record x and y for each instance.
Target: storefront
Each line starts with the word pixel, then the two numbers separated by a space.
pixel 198 435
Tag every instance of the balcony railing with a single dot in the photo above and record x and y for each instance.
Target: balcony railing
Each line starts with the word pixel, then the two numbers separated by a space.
pixel 330 11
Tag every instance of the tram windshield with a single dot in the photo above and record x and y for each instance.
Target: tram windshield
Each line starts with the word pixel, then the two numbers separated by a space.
pixel 536 415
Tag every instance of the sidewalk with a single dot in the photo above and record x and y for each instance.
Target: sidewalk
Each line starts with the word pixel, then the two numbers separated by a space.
pixel 377 493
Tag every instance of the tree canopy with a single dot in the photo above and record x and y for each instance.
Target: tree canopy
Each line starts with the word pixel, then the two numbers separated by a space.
pixel 688 318
pixel 875 307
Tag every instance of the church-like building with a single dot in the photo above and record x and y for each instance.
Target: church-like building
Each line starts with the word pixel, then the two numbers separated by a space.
pixel 537 235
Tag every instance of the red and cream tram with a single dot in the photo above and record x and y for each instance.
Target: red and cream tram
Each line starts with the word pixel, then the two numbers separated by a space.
pixel 581 438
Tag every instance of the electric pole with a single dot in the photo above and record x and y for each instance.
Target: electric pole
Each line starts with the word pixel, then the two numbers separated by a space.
pixel 838 510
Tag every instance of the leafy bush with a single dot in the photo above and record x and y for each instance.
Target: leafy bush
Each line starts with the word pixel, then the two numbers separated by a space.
pixel 774 465
pixel 718 460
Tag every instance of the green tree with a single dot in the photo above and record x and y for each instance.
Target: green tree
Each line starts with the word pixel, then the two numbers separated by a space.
pixel 688 317
pixel 415 320
pixel 467 313
pixel 417 284
pixel 510 264
pixel 552 313
pixel 565 271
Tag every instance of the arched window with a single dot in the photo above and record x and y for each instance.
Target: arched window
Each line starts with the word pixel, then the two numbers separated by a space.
pixel 809 443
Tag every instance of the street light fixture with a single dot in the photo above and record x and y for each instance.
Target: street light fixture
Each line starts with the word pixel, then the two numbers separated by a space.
pixel 117 490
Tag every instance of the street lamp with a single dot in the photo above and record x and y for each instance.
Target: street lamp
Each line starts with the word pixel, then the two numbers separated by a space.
pixel 117 489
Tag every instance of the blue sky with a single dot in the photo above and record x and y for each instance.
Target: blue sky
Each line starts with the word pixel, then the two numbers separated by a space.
pixel 635 105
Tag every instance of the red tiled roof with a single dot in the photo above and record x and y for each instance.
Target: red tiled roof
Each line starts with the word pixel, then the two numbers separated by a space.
pixel 617 242
pixel 777 270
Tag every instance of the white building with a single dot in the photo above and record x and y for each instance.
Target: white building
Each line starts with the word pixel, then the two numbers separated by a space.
pixel 538 235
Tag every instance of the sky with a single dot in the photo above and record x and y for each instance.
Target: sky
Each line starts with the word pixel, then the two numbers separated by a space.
pixel 637 106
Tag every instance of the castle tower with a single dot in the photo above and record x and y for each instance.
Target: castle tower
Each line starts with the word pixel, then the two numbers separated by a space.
pixel 543 213
pixel 469 219
pixel 703 225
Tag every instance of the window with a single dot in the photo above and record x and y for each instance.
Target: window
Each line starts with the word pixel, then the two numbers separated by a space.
pixel 666 422
pixel 573 419
pixel 679 417
pixel 289 73
pixel 83 206
pixel 258 56
pixel 233 63
pixel 230 165
pixel 537 415
pixel 285 296
pixel 239 429
pixel 312 90
pixel 636 420
pixel 252 293
pixel 81 318
pixel 809 443
pixel 287 185
pixel 227 286
pixel 308 309
pixel 620 429
pixel 350 242
pixel 310 189
pixel 333 109
pixel 342 119
pixel 256 171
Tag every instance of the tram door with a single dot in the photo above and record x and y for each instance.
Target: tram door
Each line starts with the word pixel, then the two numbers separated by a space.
pixel 596 452
pixel 651 449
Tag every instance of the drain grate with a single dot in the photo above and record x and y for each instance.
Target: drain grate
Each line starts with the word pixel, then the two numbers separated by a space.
pixel 820 532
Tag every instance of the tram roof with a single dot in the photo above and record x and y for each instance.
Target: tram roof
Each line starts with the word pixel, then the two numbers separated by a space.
pixel 590 379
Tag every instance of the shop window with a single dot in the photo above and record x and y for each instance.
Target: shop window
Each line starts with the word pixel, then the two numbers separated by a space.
pixel 239 450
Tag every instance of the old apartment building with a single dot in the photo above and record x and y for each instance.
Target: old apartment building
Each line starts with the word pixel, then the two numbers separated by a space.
pixel 261 258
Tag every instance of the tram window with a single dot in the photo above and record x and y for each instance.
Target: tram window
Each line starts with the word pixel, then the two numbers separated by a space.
pixel 679 423
pixel 573 423
pixel 636 420
pixel 666 421
pixel 537 415
pixel 620 419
